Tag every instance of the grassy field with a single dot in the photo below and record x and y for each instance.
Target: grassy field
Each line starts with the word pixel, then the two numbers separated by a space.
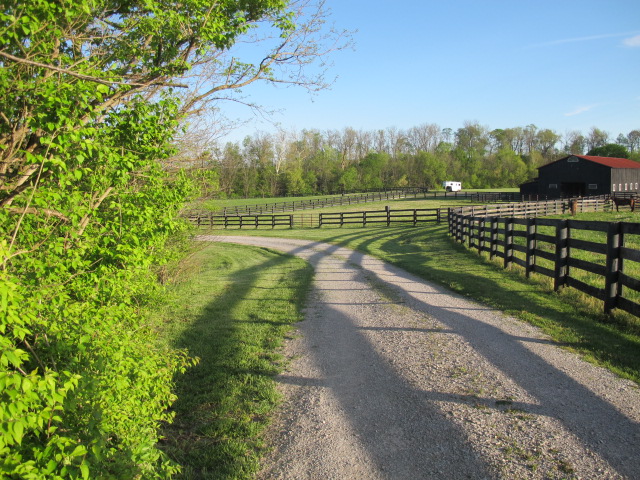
pixel 232 310
pixel 224 312
pixel 216 204
pixel 571 318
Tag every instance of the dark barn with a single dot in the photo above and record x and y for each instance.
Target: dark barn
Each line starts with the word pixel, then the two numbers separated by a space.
pixel 580 175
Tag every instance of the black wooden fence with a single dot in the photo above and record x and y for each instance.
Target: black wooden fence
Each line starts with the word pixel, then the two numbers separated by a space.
pixel 240 221
pixel 387 216
pixel 363 218
pixel 593 257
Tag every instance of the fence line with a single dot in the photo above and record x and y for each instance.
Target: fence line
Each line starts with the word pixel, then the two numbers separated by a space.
pixel 364 218
pixel 387 216
pixel 334 201
pixel 366 197
pixel 589 256
pixel 239 221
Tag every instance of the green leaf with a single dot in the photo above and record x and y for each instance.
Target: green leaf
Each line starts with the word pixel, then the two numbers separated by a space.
pixel 18 430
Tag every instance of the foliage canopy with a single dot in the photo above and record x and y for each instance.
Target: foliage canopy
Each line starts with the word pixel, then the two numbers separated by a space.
pixel 92 93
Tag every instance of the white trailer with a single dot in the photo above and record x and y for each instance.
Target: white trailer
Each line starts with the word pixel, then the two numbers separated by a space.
pixel 452 186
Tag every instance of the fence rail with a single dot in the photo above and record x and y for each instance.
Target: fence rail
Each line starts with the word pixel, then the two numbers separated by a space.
pixel 387 216
pixel 363 218
pixel 538 208
pixel 240 221
pixel 589 256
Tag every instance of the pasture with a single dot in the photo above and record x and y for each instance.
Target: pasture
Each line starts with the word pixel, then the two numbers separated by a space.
pixel 233 305
pixel 570 317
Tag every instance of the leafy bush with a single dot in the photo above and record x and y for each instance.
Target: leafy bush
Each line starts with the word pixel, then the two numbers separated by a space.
pixel 88 110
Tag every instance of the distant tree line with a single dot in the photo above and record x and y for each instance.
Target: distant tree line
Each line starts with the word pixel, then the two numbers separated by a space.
pixel 313 162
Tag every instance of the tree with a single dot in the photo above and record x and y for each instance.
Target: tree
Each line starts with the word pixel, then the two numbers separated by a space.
pixel 472 140
pixel 610 150
pixel 546 141
pixel 596 138
pixel 372 168
pixel 633 139
pixel 574 143
pixel 294 180
pixel 432 169
pixel 348 180
pixel 92 94
pixel 424 137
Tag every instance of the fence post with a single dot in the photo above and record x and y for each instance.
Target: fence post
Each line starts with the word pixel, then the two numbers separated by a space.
pixel 561 270
pixel 493 247
pixel 612 285
pixel 415 217
pixel 388 215
pixel 531 246
pixel 508 242
pixel 341 219
pixel 454 221
pixel 481 229
pixel 469 230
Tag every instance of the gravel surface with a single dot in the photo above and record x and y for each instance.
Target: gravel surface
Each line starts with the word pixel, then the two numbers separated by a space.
pixel 392 377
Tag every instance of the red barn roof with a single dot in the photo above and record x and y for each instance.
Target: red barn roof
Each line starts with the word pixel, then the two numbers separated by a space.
pixel 611 162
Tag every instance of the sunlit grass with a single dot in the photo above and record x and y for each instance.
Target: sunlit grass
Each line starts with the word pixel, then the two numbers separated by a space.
pixel 218 204
pixel 569 317
pixel 232 311
pixel 239 301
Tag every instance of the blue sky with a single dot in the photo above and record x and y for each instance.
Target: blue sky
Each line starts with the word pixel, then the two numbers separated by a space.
pixel 560 64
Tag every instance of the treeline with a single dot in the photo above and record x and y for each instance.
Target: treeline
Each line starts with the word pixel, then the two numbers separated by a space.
pixel 313 162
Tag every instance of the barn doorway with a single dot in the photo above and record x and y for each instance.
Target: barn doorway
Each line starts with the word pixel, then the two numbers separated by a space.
pixel 572 189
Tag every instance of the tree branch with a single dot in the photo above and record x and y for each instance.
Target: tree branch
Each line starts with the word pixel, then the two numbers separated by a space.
pixel 89 78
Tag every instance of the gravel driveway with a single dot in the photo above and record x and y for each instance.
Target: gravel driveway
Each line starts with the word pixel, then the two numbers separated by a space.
pixel 392 377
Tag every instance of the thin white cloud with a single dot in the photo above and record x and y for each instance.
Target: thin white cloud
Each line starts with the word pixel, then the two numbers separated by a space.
pixel 579 110
pixel 632 41
pixel 591 38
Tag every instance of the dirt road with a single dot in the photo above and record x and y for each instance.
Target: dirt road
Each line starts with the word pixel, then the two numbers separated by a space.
pixel 393 377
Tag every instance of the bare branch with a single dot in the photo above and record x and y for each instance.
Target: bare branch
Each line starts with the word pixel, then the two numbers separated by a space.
pixel 108 82
pixel 38 211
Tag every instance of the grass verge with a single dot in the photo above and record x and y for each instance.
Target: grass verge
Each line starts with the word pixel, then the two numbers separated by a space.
pixel 232 311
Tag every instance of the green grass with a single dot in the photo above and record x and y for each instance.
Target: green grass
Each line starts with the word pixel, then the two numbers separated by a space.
pixel 238 302
pixel 427 251
pixel 216 204
pixel 232 311
pixel 631 268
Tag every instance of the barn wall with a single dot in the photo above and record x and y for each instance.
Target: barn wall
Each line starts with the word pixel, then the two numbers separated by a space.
pixel 625 180
pixel 575 178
